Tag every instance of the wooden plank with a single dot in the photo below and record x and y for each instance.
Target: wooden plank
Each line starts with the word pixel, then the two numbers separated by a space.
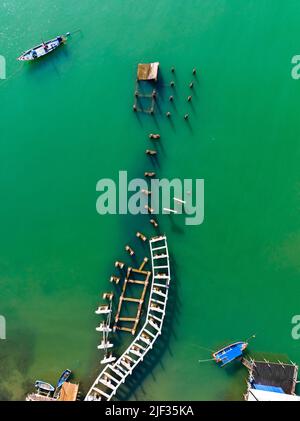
pixel 142 272
pixel 133 281
pixel 125 329
pixel 127 319
pixel 132 300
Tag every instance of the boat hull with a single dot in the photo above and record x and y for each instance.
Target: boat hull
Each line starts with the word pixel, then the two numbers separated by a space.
pixel 47 387
pixel 63 378
pixel 230 353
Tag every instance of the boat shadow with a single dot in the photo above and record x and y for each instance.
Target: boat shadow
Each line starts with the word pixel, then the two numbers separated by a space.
pixel 49 62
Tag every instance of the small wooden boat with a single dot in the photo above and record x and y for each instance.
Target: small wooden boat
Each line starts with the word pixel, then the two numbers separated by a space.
pixel 230 353
pixel 47 387
pixel 63 378
pixel 44 48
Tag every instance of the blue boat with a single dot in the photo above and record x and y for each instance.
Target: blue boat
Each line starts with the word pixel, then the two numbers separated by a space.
pixel 230 353
pixel 46 387
pixel 63 378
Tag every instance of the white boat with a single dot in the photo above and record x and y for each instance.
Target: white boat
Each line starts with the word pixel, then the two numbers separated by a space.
pixel 41 385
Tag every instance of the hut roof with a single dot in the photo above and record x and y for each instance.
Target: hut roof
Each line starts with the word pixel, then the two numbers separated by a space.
pixel 147 71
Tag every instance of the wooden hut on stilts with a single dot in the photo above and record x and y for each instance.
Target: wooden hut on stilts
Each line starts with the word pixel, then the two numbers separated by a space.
pixel 146 73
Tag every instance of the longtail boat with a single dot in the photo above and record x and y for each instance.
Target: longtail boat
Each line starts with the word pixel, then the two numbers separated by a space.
pixel 44 48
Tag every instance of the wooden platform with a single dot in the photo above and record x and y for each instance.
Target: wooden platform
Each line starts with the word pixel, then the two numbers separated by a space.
pixel 68 392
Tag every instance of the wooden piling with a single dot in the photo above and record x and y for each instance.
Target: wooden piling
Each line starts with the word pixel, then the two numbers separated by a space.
pixel 108 296
pixel 151 152
pixel 141 236
pixel 115 279
pixel 154 136
pixel 119 264
pixel 150 210
pixel 149 174
pixel 129 250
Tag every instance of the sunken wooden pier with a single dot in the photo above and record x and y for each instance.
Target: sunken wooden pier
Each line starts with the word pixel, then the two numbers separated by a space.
pixel 113 375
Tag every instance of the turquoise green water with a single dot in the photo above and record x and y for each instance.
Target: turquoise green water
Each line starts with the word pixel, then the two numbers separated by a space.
pixel 67 121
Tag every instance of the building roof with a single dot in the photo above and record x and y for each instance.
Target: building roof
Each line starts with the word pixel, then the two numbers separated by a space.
pixel 147 71
pixel 68 392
